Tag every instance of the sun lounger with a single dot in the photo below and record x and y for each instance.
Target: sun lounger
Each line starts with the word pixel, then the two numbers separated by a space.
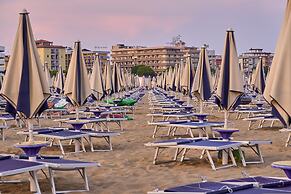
pixel 106 135
pixel 64 134
pixel 175 115
pixel 189 126
pixel 11 166
pixel 182 146
pixel 262 118
pixel 250 185
pixel 55 163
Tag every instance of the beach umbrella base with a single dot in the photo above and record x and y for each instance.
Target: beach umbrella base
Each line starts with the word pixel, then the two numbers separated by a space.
pixel 285 166
pixel 31 149
pixel 226 133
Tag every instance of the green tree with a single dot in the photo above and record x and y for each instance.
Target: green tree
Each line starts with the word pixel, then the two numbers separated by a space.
pixel 142 70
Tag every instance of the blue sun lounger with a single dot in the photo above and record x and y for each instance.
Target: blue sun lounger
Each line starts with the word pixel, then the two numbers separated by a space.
pixel 182 146
pixel 55 163
pixel 10 166
pixel 254 185
pixel 186 124
pixel 58 135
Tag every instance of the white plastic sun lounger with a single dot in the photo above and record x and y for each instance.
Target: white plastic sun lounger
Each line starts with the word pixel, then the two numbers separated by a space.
pixel 182 146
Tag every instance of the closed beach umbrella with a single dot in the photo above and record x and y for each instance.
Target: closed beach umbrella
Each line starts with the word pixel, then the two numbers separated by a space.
pixel 187 76
pixel 230 83
pixel 178 78
pixel 77 87
pixel 258 82
pixel 202 86
pixel 116 79
pixel 278 91
pixel 108 79
pixel 59 81
pixel 25 86
pixel 96 81
pixel 169 78
pixel 47 75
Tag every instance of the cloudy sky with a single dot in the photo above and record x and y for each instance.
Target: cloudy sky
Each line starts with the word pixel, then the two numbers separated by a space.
pixel 146 22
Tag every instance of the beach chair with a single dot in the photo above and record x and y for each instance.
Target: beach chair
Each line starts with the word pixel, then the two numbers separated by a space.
pixel 182 146
pixel 10 166
pixel 56 163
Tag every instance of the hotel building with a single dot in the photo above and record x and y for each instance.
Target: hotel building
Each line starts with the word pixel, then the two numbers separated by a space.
pixel 54 55
pixel 158 58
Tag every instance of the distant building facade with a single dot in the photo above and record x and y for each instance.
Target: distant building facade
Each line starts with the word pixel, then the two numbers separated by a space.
pixel 89 57
pixel 158 58
pixel 2 59
pixel 248 60
pixel 53 55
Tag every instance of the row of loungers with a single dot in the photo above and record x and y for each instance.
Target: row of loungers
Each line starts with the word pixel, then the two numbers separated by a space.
pixel 183 145
pixel 13 165
pixel 60 135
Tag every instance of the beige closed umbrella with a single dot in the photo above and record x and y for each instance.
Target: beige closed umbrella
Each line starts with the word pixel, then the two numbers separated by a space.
pixel 47 75
pixel 77 87
pixel 258 82
pixel 108 79
pixel 178 78
pixel 202 86
pixel 278 91
pixel 25 86
pixel 96 81
pixel 187 76
pixel 59 81
pixel 230 83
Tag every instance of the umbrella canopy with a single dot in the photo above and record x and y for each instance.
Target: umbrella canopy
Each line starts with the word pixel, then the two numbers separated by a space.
pixel 278 91
pixel 116 79
pixel 230 83
pixel 25 86
pixel 258 82
pixel 96 81
pixel 77 87
pixel 59 81
pixel 47 75
pixel 202 86
pixel 108 79
pixel 187 76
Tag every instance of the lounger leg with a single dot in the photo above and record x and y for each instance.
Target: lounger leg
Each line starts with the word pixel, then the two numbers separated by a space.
pixel 210 160
pixel 231 156
pixel 82 144
pixel 109 143
pixel 243 160
pixel 52 181
pixel 272 123
pixel 34 186
pixel 202 154
pixel 156 155
pixel 184 154
pixel 259 153
pixel 176 154
pixel 61 147
pixel 155 131
pixel 85 179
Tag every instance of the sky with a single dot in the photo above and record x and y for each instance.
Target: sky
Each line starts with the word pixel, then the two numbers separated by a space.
pixel 103 23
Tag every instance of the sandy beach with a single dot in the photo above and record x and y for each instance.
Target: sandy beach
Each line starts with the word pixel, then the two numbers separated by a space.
pixel 129 169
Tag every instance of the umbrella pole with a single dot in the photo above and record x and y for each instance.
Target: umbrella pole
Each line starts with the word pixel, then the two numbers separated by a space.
pixel 30 129
pixel 225 118
pixel 201 106
pixel 77 112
